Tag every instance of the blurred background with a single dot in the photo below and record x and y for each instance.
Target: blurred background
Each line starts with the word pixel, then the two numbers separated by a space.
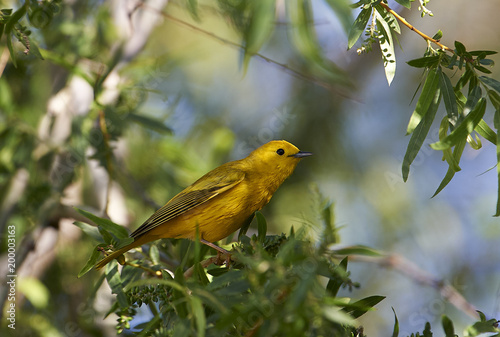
pixel 177 100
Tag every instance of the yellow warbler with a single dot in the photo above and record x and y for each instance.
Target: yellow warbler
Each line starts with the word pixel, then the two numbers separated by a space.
pixel 221 201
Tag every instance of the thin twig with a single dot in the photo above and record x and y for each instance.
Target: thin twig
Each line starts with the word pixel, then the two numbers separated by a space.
pixel 205 263
pixel 408 268
pixel 283 66
pixel 411 27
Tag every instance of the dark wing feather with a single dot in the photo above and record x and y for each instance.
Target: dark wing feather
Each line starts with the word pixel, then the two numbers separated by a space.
pixel 193 196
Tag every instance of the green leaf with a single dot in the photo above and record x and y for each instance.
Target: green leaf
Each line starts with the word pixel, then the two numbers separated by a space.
pixel 343 11
pixel 482 69
pixel 448 153
pixel 464 128
pixel 9 29
pixel 449 97
pixel 357 250
pixel 460 48
pixel 154 254
pixel 405 3
pixel 448 328
pixel 192 6
pixel 419 135
pixel 360 307
pixel 495 100
pixel 386 46
pixel 457 154
pixel 358 27
pixel 90 230
pixel 115 283
pixel 395 331
pixel 334 284
pixel 260 27
pixel 428 96
pixel 482 52
pixel 425 62
pixel 261 227
pixel 200 273
pixel 464 79
pixel 119 231
pixel 485 131
pixel 96 255
pixel 491 82
pixel 149 122
pixel 438 35
pixel 198 315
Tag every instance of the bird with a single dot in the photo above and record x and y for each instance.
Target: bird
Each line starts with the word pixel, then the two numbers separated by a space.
pixel 220 202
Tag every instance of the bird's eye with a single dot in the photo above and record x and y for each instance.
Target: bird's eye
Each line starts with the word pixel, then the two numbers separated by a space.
pixel 280 152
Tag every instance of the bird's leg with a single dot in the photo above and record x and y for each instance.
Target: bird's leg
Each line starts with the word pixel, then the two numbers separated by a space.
pixel 220 251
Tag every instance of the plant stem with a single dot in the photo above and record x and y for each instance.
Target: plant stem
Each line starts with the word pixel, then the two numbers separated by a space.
pixel 411 27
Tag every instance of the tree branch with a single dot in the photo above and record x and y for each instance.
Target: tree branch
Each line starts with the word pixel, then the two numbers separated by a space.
pixel 408 268
pixel 411 27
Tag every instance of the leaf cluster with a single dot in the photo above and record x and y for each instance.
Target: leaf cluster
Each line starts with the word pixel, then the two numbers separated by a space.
pixel 276 285
pixel 465 101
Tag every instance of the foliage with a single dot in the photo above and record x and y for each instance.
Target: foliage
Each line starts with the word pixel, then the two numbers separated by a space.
pixel 465 102
pixel 276 284
pixel 284 284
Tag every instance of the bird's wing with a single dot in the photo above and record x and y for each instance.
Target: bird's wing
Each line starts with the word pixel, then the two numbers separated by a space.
pixel 192 197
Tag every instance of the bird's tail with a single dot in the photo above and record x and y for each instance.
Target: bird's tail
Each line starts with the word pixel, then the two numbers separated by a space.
pixel 139 241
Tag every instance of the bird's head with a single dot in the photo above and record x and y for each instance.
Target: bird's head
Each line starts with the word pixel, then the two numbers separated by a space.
pixel 277 159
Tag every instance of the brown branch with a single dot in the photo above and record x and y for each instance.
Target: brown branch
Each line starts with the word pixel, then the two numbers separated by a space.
pixel 411 27
pixel 205 263
pixel 408 268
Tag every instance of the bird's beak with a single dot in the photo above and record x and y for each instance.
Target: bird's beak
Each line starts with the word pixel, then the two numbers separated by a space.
pixel 301 154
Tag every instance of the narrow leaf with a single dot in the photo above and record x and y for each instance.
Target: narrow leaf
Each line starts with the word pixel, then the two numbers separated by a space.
pixel 261 226
pixel 149 122
pixel 260 27
pixel 405 3
pixel 449 97
pixel 464 128
pixel 119 231
pixel 395 331
pixel 358 27
pixel 483 52
pixel 424 62
pixel 460 48
pixel 485 131
pixel 96 254
pixel 357 250
pixel 457 154
pixel 90 230
pixel 427 97
pixel 360 307
pixel 448 153
pixel 418 136
pixel 448 328
pixel 198 314
pixel 386 47
pixel 491 82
